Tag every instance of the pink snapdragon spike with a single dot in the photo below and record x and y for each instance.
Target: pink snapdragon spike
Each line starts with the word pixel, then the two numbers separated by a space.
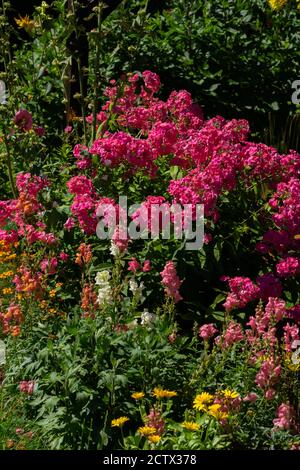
pixel 207 331
pixel 285 417
pixel 268 375
pixel 233 334
pixel 171 281
pixel 155 420
pixel 23 119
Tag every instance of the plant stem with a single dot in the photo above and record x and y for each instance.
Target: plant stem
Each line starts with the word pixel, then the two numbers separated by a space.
pixel 80 77
pixel 9 166
pixel 96 68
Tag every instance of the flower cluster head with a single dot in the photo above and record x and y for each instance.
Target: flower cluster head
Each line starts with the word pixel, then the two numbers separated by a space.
pixel 171 281
pixel 288 267
pixel 243 291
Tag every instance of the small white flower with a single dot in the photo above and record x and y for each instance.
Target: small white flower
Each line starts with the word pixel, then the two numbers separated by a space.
pixel 135 288
pixel 148 318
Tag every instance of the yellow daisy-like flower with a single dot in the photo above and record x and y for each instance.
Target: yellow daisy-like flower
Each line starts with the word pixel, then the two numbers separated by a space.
pixel 277 4
pixel 201 400
pixel 137 395
pixel 160 393
pixel 6 274
pixel 215 411
pixel 52 293
pixel 190 425
pixel 154 438
pixel 147 430
pixel 52 310
pixel 25 22
pixel 231 394
pixel 119 422
pixel 7 290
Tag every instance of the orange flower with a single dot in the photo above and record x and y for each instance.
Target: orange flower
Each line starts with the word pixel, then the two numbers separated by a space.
pixel 15 331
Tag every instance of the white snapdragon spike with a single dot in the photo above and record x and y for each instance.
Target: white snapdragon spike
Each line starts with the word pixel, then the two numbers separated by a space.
pixel 114 250
pixel 104 295
pixel 148 318
pixel 102 277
